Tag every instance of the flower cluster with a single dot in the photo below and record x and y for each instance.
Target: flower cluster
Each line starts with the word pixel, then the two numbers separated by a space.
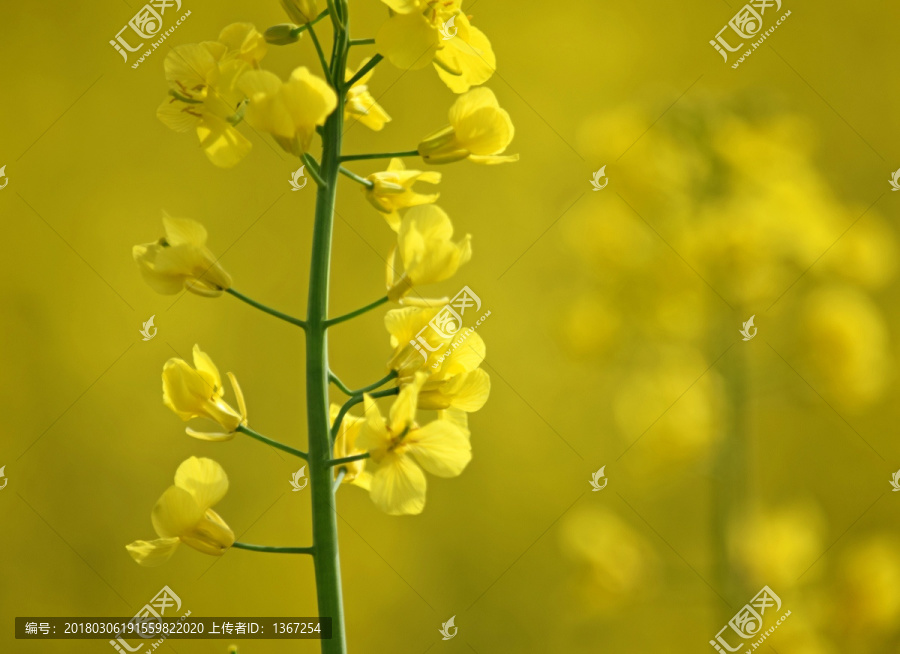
pixel 216 85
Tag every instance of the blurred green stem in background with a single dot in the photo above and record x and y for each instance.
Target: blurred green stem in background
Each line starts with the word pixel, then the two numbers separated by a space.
pixel 380 155
pixel 325 538
pixel 729 497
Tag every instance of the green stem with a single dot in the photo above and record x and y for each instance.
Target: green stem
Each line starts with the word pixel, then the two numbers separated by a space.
pixel 365 389
pixel 268 441
pixel 365 69
pixel 269 310
pixel 357 178
pixel 324 514
pixel 303 28
pixel 348 459
pixel 353 401
pixel 275 550
pixel 358 312
pixel 322 59
pixel 362 42
pixel 379 155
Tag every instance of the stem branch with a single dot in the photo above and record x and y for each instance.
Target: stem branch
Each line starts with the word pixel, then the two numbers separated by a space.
pixel 269 310
pixel 268 441
pixel 272 548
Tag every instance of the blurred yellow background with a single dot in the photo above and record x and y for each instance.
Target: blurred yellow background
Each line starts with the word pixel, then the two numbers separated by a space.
pixel 613 338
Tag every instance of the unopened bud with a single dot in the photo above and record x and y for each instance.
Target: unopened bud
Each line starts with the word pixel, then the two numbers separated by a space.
pixel 283 34
pixel 301 11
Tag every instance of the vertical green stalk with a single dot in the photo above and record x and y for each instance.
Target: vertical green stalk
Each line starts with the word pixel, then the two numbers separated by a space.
pixel 325 538
pixel 730 497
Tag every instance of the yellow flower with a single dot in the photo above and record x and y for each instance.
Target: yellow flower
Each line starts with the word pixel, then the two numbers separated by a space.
pixel 454 379
pixel 392 190
pixel 183 515
pixel 301 11
pixel 244 42
pixel 202 80
pixel 181 260
pixel 420 32
pixel 479 130
pixel 345 445
pixel 289 111
pixel 398 447
pixel 426 250
pixel 360 103
pixel 198 393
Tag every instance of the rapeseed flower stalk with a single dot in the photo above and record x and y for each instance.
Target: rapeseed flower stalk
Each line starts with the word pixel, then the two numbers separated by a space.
pixel 215 86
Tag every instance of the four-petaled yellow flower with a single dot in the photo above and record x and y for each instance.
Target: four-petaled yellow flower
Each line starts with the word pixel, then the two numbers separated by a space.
pixel 399 448
pixel 198 393
pixel 181 260
pixel 289 111
pixel 392 190
pixel 184 515
pixel 479 130
pixel 419 32
pixel 426 250
pixel 451 362
pixel 203 84
pixel 361 105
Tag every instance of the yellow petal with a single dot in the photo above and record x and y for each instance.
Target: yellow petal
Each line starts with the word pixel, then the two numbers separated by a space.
pixel 266 110
pixel 440 447
pixel 223 144
pixel 472 56
pixel 245 41
pixel 408 41
pixel 190 66
pixel 398 486
pixel 145 257
pixel 175 513
pixel 403 410
pixel 185 391
pixel 207 368
pixel 211 535
pixel 184 231
pixel 204 479
pixel 308 97
pixel 151 553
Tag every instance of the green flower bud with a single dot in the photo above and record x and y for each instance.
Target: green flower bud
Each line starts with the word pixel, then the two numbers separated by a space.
pixel 282 34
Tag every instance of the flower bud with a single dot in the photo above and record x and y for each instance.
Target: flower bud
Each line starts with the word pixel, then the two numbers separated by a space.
pixel 282 34
pixel 301 11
